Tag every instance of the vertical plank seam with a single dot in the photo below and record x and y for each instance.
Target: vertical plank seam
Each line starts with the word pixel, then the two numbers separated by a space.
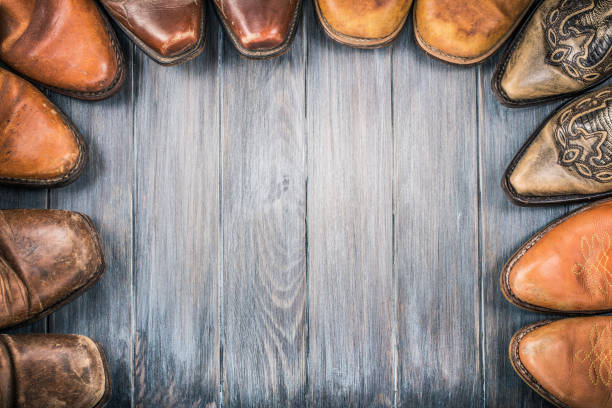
pixel 46 322
pixel 133 226
pixel 220 261
pixel 479 240
pixel 305 50
pixel 394 279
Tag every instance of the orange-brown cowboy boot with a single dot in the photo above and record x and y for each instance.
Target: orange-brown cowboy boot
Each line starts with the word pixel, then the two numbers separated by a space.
pixel 565 268
pixel 568 362
pixel 169 31
pixel 39 146
pixel 466 31
pixel 47 259
pixel 52 371
pixel 564 49
pixel 65 45
pixel 363 24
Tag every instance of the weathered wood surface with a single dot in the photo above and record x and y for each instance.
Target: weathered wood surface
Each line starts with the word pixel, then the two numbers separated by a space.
pixel 322 229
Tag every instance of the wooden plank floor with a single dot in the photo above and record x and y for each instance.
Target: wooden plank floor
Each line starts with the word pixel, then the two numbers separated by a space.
pixel 322 229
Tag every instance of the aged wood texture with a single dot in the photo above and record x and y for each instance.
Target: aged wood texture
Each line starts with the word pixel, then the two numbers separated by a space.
pixel 104 192
pixel 322 229
pixel 264 229
pixel 350 158
pixel 436 230
pixel 176 221
pixel 504 228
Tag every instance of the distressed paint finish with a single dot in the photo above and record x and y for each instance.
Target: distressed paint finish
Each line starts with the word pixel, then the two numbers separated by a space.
pixel 436 230
pixel 264 229
pixel 350 157
pixel 326 228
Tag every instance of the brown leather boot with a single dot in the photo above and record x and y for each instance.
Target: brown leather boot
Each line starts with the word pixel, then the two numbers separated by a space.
pixel 260 28
pixel 568 362
pixel 565 48
pixel 466 31
pixel 52 371
pixel 169 31
pixel 47 259
pixel 568 158
pixel 66 45
pixel 39 146
pixel 363 24
pixel 565 268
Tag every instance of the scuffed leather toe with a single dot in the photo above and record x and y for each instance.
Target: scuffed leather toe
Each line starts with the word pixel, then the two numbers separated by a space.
pixel 53 371
pixel 364 24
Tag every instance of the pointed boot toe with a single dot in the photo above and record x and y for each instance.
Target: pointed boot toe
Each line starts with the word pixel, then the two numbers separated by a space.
pixel 65 45
pixel 260 29
pixel 565 268
pixel 567 361
pixel 569 158
pixel 170 32
pixel 52 371
pixel 47 259
pixel 564 49
pixel 363 24
pixel 466 31
pixel 39 146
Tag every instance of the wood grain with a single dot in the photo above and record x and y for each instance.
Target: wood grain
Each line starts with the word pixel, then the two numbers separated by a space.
pixel 176 221
pixel 264 238
pixel 104 192
pixel 436 230
pixel 504 229
pixel 350 157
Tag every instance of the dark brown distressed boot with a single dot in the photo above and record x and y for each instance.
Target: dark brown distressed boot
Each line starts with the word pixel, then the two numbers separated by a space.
pixel 52 371
pixel 47 259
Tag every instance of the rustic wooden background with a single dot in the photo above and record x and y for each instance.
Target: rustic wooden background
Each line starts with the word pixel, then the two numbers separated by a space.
pixel 322 229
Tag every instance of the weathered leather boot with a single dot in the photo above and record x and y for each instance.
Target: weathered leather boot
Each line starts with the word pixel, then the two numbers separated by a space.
pixel 260 28
pixel 52 371
pixel 47 259
pixel 466 31
pixel 569 158
pixel 568 362
pixel 169 31
pixel 65 45
pixel 363 24
pixel 39 146
pixel 565 48
pixel 565 268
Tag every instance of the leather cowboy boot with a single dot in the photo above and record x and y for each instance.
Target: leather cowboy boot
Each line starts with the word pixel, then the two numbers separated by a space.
pixel 47 259
pixel 39 146
pixel 52 371
pixel 466 31
pixel 169 31
pixel 260 28
pixel 568 362
pixel 363 24
pixel 565 268
pixel 65 45
pixel 569 158
pixel 565 48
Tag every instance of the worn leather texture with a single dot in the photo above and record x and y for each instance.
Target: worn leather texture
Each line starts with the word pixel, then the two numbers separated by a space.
pixel 567 361
pixel 52 371
pixel 570 156
pixel 565 48
pixel 47 258
pixel 38 144
pixel 63 44
pixel 566 267
pixel 363 23
pixel 167 28
pixel 466 31
pixel 259 25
